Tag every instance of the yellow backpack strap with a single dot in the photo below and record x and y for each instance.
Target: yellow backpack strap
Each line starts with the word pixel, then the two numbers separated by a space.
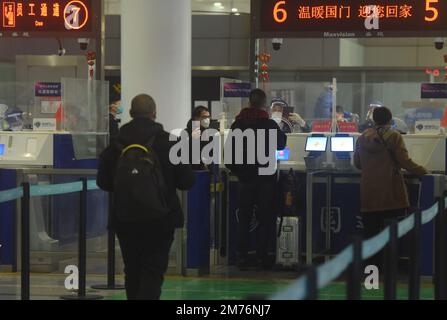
pixel 135 146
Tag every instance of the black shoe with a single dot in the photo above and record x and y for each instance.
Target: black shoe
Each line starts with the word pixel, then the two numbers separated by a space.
pixel 242 264
pixel 263 265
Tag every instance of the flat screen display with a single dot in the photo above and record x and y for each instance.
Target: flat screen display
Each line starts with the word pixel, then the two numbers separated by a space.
pixel 2 150
pixel 283 155
pixel 316 144
pixel 342 144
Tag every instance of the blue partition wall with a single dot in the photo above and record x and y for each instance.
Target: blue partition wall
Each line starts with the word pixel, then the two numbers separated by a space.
pixel 7 220
pixel 198 223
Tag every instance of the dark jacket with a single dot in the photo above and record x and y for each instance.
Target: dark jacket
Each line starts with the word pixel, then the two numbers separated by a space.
pixel 113 126
pixel 383 187
pixel 255 119
pixel 139 131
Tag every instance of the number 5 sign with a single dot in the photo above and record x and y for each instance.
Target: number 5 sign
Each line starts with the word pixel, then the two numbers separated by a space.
pixel 76 15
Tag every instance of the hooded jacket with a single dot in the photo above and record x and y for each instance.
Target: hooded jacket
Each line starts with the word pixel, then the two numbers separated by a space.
pixel 255 119
pixel 383 186
pixel 140 131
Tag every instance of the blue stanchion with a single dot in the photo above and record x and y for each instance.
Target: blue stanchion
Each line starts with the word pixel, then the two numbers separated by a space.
pixel 10 195
pixel 55 189
pixel 331 270
pixel 430 214
pixel 91 185
pixel 374 245
pixel 297 291
pixel 405 226
pixel 47 190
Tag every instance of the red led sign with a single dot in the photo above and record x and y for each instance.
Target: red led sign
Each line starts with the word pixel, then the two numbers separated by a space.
pixel 61 18
pixel 350 18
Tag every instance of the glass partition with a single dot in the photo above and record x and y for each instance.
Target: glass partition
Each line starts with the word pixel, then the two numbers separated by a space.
pixel 358 92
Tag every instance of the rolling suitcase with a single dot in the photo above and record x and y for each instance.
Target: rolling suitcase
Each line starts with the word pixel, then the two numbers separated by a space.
pixel 288 243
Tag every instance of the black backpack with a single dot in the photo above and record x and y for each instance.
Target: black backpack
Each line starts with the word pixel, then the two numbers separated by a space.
pixel 139 185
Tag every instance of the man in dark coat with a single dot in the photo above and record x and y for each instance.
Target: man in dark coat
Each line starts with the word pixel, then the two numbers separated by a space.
pixel 115 109
pixel 256 189
pixel 145 246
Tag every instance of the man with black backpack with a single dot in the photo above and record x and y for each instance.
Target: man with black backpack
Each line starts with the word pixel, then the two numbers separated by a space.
pixel 137 169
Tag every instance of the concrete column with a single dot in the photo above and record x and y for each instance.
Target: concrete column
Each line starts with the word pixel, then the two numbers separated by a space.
pixel 156 57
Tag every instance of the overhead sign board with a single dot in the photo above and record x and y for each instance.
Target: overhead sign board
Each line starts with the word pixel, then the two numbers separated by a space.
pixel 50 18
pixel 434 91
pixel 350 18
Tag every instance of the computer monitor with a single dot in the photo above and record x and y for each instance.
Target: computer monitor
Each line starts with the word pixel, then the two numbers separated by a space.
pixel 283 155
pixel 2 149
pixel 342 144
pixel 316 144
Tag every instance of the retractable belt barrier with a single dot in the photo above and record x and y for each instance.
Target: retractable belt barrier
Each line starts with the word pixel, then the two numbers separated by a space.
pixel 303 288
pixel 25 193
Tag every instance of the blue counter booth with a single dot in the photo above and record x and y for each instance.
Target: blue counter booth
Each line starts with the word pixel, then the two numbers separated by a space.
pixel 198 225
pixel 54 220
pixel 345 218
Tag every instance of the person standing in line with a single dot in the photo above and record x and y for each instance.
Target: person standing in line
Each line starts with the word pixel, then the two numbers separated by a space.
pixel 145 235
pixel 256 190
pixel 381 155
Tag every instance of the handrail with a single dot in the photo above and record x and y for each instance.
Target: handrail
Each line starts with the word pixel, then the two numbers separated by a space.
pixel 46 190
pixel 10 195
pixel 332 269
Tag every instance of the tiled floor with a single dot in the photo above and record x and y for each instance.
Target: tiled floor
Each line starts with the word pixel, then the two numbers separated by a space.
pixel 224 286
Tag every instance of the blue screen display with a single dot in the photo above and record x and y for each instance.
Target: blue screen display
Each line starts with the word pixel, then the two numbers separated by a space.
pixel 283 155
pixel 2 149
pixel 316 144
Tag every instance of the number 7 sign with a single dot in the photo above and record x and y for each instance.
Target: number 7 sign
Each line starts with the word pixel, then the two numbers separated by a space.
pixel 76 15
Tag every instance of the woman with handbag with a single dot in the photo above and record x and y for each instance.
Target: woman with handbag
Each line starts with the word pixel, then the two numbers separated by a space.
pixel 381 155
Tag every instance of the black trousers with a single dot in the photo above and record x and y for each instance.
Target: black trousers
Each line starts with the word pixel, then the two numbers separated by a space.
pixel 145 251
pixel 373 224
pixel 262 195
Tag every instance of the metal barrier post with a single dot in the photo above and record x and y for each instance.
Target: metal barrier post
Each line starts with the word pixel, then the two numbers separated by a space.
pixel 391 260
pixel 82 255
pixel 354 272
pixel 415 258
pixel 111 284
pixel 25 245
pixel 312 283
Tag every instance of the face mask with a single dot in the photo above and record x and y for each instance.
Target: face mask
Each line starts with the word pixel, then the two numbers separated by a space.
pixel 120 110
pixel 277 117
pixel 205 123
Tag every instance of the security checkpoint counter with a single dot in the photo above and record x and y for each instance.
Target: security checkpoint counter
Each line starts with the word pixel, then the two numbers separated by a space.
pixel 330 198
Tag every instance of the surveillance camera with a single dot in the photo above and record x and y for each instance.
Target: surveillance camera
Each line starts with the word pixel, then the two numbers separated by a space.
pixel 439 43
pixel 83 43
pixel 277 44
pixel 61 52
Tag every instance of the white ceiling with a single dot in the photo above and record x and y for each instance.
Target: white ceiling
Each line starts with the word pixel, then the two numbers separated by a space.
pixel 227 5
pixel 112 7
pixel 397 42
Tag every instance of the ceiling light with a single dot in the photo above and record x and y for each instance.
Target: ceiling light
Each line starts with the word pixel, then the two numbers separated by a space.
pixel 218 4
pixel 234 10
